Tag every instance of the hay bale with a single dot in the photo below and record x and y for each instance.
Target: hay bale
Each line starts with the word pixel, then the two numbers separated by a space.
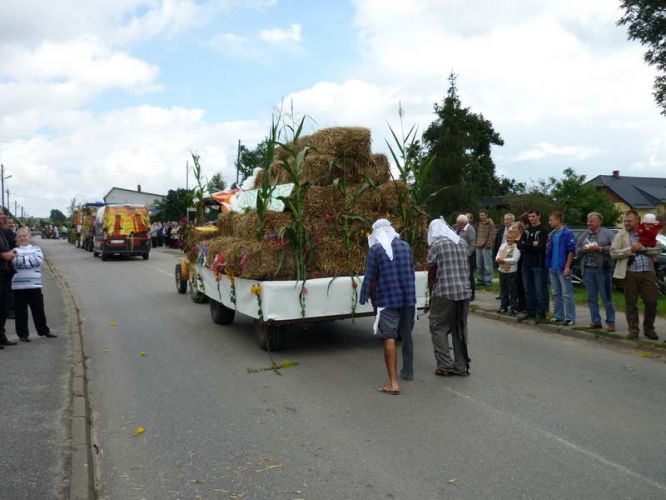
pixel 322 200
pixel 341 142
pixel 390 194
pixel 332 259
pixel 378 169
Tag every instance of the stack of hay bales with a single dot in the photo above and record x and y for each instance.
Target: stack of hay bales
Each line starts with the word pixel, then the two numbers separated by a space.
pixel 323 206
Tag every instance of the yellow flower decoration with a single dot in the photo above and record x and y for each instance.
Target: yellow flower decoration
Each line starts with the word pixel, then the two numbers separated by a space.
pixel 255 289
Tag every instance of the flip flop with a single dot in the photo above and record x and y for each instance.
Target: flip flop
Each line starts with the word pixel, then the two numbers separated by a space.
pixel 387 391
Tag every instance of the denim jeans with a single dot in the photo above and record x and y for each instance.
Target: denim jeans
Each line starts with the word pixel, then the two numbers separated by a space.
pixel 484 263
pixel 597 282
pixel 563 295
pixel 535 282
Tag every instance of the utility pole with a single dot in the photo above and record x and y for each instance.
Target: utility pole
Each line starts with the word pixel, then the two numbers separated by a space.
pixel 8 204
pixel 2 185
pixel 15 209
pixel 238 151
pixel 187 176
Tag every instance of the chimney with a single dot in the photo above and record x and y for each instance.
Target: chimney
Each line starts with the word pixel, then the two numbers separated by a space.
pixel 138 187
pixel 616 173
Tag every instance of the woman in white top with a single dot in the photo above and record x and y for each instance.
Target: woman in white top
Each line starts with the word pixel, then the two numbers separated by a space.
pixel 27 287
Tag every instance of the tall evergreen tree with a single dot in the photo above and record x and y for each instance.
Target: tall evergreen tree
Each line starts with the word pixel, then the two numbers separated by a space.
pixel 461 141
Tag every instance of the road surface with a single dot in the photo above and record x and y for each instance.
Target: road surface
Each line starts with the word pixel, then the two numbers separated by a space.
pixel 541 416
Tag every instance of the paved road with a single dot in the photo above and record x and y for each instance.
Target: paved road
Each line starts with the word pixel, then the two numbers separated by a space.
pixel 34 392
pixel 542 416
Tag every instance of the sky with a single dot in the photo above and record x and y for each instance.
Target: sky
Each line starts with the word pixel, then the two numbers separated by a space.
pixel 120 92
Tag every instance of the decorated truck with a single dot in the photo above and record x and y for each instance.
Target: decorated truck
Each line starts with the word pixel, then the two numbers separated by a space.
pixel 86 228
pixel 123 230
pixel 290 246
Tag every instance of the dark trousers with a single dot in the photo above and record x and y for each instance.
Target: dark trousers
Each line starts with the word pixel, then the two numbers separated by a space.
pixel 153 241
pixel 535 282
pixel 446 318
pixel 520 289
pixel 5 295
pixel 34 299
pixel 643 285
pixel 472 267
pixel 509 291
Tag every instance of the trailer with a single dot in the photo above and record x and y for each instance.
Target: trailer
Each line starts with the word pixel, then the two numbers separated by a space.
pixel 274 305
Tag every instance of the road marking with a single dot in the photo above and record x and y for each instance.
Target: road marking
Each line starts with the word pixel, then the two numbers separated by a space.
pixel 170 275
pixel 566 442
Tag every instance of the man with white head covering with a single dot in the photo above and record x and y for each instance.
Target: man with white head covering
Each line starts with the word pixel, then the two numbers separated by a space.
pixel 450 291
pixel 389 284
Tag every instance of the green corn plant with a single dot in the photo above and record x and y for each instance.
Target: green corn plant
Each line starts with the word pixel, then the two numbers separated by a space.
pixel 346 218
pixel 197 192
pixel 411 170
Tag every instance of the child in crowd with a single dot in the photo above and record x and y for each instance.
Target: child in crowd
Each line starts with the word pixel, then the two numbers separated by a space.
pixel 648 231
pixel 27 287
pixel 507 257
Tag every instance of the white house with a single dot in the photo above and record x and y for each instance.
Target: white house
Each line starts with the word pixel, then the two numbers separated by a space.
pixel 138 197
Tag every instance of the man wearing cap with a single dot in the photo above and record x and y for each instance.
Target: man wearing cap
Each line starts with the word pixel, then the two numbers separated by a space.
pixel 450 291
pixel 389 284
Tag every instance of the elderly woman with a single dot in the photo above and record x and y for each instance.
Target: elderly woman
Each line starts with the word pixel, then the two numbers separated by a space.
pixel 27 287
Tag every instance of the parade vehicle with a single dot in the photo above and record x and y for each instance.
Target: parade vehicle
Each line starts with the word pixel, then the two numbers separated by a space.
pixel 86 228
pixel 274 305
pixel 123 230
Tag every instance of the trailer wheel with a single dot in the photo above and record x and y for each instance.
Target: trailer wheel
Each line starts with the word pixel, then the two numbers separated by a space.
pixel 95 254
pixel 270 337
pixel 196 295
pixel 181 284
pixel 221 314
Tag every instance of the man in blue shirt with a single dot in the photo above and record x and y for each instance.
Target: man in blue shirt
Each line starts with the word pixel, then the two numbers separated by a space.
pixel 389 284
pixel 560 251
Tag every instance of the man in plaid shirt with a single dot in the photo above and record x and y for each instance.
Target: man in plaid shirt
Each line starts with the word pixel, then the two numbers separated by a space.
pixel 450 291
pixel 389 284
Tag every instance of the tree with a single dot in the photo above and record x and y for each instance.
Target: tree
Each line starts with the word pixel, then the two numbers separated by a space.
pixel 461 141
pixel 174 205
pixel 251 159
pixel 216 183
pixel 646 21
pixel 576 199
pixel 57 217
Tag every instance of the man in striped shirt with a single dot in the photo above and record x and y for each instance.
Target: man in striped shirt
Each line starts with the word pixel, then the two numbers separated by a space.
pixel 389 284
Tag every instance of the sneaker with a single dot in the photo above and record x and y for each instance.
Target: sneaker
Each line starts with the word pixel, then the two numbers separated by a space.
pixel 569 322
pixel 512 312
pixel 555 320
pixel 502 310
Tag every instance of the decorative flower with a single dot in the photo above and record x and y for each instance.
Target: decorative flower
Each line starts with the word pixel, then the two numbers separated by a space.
pixel 255 289
pixel 244 260
pixel 329 217
pixel 304 291
pixel 354 285
pixel 218 266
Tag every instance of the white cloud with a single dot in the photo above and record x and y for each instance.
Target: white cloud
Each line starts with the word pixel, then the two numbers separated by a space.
pixel 142 145
pixel 278 35
pixel 545 149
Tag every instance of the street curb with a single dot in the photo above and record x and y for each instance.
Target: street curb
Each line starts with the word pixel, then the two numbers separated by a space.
pixel 82 481
pixel 656 351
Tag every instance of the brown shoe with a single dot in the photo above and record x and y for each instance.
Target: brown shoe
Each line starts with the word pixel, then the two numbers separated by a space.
pixel 594 326
pixel 611 328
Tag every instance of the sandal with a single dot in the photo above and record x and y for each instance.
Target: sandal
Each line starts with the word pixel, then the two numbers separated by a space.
pixel 443 372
